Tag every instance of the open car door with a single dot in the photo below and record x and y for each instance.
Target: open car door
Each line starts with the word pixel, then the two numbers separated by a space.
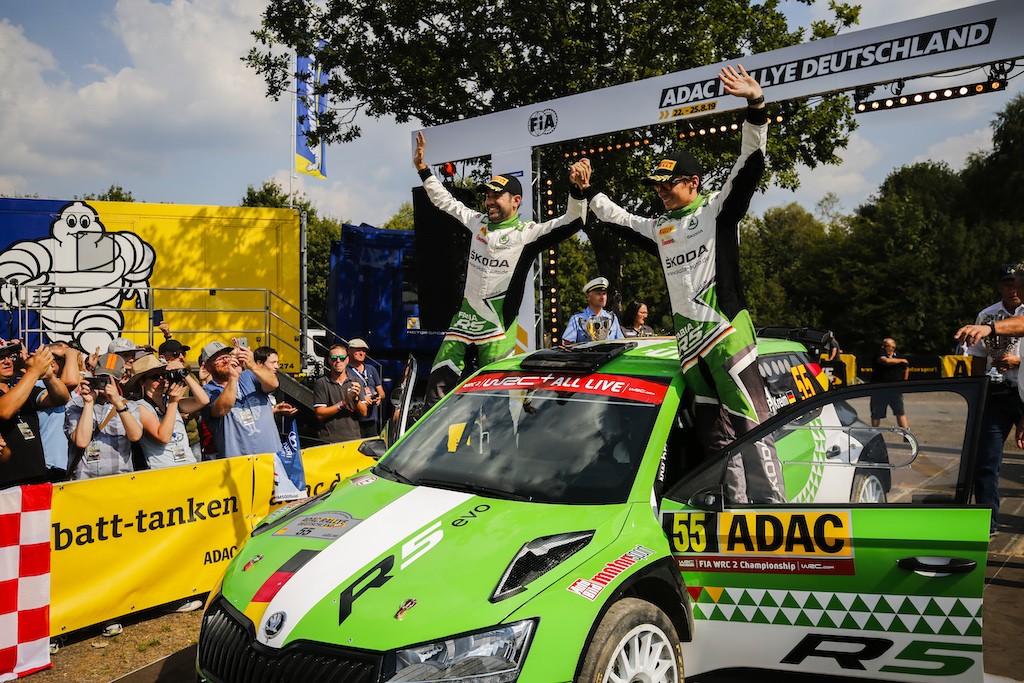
pixel 873 566
pixel 402 402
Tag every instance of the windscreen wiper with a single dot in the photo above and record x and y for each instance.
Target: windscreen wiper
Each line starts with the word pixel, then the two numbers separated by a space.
pixel 399 477
pixel 474 488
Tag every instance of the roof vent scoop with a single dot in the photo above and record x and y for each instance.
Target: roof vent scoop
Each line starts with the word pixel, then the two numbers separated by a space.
pixel 536 558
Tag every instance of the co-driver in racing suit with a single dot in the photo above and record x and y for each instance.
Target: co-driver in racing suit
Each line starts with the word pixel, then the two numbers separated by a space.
pixel 496 258
pixel 698 245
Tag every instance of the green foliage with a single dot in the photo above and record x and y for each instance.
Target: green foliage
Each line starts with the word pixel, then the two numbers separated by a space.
pixel 915 262
pixel 114 193
pixel 402 220
pixel 320 233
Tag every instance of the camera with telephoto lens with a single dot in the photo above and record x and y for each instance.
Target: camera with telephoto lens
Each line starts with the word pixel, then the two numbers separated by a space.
pixel 176 375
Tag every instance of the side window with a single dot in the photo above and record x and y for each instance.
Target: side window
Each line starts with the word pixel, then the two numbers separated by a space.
pixel 837 453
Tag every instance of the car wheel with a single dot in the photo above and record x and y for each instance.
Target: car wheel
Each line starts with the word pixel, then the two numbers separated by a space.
pixel 867 488
pixel 634 642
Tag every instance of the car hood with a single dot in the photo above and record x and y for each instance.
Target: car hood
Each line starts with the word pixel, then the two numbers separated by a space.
pixel 381 565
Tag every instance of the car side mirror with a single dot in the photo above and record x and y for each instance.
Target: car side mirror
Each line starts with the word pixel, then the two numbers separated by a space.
pixel 711 499
pixel 373 448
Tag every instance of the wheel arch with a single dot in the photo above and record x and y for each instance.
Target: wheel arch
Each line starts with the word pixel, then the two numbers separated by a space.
pixel 660 584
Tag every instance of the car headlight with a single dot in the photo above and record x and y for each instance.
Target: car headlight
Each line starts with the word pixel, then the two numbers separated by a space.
pixel 492 656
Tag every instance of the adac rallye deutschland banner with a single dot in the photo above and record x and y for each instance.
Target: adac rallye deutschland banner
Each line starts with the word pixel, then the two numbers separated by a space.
pixel 310 104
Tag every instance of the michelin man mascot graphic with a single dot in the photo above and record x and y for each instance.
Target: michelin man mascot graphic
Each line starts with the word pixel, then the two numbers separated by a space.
pixel 78 278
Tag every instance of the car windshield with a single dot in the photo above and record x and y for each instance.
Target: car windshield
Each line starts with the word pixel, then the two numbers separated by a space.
pixel 545 438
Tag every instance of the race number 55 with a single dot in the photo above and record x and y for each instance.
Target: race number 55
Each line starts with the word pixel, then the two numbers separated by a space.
pixel 689 532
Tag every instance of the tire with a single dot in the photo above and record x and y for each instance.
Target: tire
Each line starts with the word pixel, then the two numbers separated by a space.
pixel 635 642
pixel 868 487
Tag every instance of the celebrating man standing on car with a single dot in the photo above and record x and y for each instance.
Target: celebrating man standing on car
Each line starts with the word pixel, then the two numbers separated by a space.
pixel 500 237
pixel 698 243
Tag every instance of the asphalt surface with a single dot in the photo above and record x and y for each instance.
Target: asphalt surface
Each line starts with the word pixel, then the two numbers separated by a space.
pixel 1004 594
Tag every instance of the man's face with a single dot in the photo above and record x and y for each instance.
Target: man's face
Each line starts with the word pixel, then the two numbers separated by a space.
pixel 501 205
pixel 272 362
pixel 7 367
pixel 337 360
pixel 889 346
pixel 677 193
pixel 220 366
pixel 1010 293
pixel 358 355
pixel 597 298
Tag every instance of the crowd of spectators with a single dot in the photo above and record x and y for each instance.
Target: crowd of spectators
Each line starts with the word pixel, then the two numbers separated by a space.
pixel 66 414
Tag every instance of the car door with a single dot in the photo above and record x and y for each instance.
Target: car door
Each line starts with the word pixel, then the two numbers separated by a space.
pixel 834 583
pixel 401 402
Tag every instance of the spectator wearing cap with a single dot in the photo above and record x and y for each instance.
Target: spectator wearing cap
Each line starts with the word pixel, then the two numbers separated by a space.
pixel 240 414
pixel 501 243
pixel 697 238
pixel 101 424
pixel 997 354
pixel 162 407
pixel 129 353
pixel 595 322
pixel 68 365
pixel 338 399
pixel 20 402
pixel 173 352
pixel 373 389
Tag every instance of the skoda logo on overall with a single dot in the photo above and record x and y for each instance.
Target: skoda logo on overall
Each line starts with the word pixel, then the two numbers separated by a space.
pixel 274 624
pixel 542 122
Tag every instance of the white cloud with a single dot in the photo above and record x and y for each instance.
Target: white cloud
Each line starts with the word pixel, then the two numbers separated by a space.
pixel 954 150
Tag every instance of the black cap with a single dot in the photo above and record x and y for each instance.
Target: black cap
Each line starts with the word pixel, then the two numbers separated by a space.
pixel 502 183
pixel 680 164
pixel 1007 272
pixel 172 346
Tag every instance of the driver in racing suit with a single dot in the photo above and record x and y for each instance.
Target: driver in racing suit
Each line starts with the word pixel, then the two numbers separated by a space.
pixel 496 254
pixel 698 245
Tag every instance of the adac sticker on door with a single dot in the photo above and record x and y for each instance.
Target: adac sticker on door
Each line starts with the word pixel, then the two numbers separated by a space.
pixel 818 542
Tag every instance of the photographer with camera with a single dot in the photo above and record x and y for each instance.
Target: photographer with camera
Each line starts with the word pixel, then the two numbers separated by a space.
pixel 20 401
pixel 240 413
pixel 101 423
pixel 162 408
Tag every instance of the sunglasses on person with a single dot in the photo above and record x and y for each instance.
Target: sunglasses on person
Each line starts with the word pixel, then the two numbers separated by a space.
pixel 667 185
pixel 334 358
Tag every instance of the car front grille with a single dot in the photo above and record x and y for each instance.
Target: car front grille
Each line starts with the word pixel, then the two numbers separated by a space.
pixel 229 653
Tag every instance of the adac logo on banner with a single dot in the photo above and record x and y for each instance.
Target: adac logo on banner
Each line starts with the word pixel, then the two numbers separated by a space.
pixel 542 122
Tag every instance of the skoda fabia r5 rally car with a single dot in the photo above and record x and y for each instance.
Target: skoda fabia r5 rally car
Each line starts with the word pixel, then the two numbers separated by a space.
pixel 553 520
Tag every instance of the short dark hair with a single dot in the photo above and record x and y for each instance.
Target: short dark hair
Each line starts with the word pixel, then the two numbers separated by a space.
pixel 262 353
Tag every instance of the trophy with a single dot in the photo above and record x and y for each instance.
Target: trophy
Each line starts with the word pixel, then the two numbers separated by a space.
pixel 597 327
pixel 997 346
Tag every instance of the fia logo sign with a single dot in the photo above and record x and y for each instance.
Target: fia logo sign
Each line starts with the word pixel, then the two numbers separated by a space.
pixel 543 122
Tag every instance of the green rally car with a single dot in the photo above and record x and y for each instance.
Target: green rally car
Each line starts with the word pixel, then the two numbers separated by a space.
pixel 553 520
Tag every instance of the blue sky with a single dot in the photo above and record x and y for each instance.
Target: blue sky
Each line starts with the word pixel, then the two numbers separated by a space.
pixel 153 96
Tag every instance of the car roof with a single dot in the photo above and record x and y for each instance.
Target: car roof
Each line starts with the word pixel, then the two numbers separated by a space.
pixel 643 356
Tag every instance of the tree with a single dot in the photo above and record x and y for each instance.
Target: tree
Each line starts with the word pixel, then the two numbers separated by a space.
pixel 441 62
pixel 402 220
pixel 114 193
pixel 320 234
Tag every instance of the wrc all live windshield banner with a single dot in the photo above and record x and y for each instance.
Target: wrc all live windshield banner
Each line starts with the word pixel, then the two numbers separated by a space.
pixel 130 542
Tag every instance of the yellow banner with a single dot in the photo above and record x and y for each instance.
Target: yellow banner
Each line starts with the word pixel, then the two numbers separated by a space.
pixel 956 366
pixel 134 541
